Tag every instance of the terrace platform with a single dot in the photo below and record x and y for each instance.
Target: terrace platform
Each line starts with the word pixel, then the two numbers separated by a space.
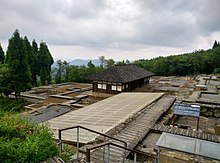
pixel 102 116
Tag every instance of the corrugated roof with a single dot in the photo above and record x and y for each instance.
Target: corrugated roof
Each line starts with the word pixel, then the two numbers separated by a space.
pixel 121 73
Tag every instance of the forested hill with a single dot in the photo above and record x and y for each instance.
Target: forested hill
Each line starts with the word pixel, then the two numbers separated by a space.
pixel 198 62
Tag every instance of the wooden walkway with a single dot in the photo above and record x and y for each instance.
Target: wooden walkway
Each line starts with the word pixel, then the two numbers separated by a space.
pixel 134 132
pixel 183 132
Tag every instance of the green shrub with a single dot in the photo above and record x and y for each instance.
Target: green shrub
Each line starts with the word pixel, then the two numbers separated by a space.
pixel 69 151
pixel 216 70
pixel 21 141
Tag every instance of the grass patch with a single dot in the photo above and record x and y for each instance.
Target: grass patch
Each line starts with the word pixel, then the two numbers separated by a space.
pixel 12 105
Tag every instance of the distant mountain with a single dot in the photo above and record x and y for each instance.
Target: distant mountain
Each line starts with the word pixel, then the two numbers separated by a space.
pixel 80 62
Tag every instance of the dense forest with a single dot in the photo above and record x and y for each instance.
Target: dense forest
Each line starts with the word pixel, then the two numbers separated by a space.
pixel 198 62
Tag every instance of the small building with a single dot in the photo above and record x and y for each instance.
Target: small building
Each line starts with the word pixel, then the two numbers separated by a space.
pixel 120 78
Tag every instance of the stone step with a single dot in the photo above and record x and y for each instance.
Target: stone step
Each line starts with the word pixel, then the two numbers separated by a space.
pixel 126 139
pixel 136 128
pixel 129 135
pixel 129 132
pixel 132 131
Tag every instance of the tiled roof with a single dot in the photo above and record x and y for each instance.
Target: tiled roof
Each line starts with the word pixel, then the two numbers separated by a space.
pixel 121 73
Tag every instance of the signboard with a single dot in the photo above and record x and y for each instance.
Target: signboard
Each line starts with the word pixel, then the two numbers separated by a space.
pixel 186 109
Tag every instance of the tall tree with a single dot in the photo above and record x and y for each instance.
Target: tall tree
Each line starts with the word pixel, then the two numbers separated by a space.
pixel 109 63
pixel 50 61
pixel 29 53
pixel 216 57
pixel 35 65
pixel 102 61
pixel 5 80
pixel 45 61
pixel 215 44
pixel 90 65
pixel 89 70
pixel 18 65
pixel 2 55
pixel 66 69
pixel 60 71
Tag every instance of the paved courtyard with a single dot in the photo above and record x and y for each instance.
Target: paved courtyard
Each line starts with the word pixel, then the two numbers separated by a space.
pixel 102 116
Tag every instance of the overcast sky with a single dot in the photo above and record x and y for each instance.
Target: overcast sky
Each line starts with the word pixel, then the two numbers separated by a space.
pixel 118 29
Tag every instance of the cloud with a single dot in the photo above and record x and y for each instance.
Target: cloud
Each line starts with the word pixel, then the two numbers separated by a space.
pixel 208 16
pixel 125 25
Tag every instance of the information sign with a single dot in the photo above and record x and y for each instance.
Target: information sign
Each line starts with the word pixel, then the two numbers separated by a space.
pixel 187 109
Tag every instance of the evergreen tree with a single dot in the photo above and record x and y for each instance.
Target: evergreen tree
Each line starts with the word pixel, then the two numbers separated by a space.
pixel 29 53
pixel 50 61
pixel 35 65
pixel 18 66
pixel 2 55
pixel 42 63
pixel 66 66
pixel 216 57
pixel 102 61
pixel 90 69
pixel 5 80
pixel 215 44
pixel 45 62
pixel 60 72
pixel 109 63
pixel 90 65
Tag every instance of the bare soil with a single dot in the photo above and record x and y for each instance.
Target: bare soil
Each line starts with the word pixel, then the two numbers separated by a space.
pixel 49 101
pixel 62 89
